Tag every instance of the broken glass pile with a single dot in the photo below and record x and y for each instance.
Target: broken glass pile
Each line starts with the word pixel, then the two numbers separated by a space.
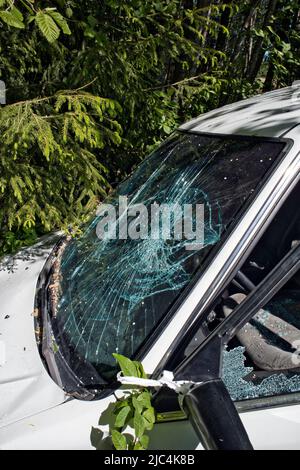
pixel 240 383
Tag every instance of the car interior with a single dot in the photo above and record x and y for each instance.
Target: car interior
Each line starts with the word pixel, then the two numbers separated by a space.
pixel 270 338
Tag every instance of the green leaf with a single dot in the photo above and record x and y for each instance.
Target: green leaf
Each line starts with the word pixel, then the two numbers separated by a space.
pixel 260 33
pixel 138 446
pixel 144 399
pixel 30 19
pixel 130 444
pixel 126 365
pixel 144 440
pixel 60 20
pixel 140 369
pixel 149 418
pixel 96 437
pixel 11 19
pixel 17 13
pixel 120 404
pixel 138 424
pixel 119 441
pixel 149 414
pixel 137 405
pixel 69 12
pixel 47 26
pixel 122 416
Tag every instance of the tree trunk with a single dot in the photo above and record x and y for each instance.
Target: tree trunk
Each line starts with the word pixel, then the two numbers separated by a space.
pixel 268 85
pixel 238 47
pixel 222 37
pixel 258 52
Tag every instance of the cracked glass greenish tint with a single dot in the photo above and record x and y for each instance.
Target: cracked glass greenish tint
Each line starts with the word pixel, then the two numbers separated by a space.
pixel 240 380
pixel 278 324
pixel 114 293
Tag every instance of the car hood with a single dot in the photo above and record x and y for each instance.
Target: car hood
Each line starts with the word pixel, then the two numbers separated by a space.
pixel 26 388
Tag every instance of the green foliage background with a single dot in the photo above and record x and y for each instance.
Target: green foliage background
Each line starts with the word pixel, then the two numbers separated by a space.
pixel 93 86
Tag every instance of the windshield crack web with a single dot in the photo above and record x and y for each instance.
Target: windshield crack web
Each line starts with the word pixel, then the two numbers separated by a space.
pixel 128 276
pixel 113 292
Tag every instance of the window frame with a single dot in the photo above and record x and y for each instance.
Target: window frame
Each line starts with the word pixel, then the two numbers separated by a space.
pixel 236 259
pixel 41 301
pixel 213 346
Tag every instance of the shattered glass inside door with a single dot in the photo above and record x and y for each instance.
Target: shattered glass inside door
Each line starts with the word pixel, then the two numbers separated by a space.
pixel 278 324
pixel 113 293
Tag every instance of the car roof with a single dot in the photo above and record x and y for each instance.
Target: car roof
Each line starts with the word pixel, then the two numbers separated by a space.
pixel 270 114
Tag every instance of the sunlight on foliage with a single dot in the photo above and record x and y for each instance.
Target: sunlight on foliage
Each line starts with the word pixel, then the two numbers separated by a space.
pixel 164 62
pixel 50 22
pixel 48 171
pixel 133 414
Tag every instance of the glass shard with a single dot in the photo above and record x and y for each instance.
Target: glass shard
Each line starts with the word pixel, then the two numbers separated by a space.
pixel 239 379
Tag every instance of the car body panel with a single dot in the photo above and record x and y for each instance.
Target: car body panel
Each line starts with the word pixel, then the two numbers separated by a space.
pixel 68 426
pixel 26 387
pixel 269 115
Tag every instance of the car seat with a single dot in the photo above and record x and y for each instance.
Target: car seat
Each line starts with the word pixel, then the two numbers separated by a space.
pixel 269 338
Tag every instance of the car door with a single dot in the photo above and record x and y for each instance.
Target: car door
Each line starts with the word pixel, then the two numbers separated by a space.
pixel 260 326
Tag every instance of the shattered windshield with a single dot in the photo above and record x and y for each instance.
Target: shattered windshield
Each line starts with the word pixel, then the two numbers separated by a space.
pixel 120 278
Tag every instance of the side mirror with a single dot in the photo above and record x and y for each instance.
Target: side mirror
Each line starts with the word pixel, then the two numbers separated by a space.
pixel 208 405
pixel 215 418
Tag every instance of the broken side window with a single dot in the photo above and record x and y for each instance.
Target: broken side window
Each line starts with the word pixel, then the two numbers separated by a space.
pixel 263 359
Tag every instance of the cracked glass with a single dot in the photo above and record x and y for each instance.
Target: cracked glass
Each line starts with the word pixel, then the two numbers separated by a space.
pixel 110 295
pixel 277 337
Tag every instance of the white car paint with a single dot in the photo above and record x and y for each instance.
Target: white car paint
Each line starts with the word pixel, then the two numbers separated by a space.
pixel 268 115
pixel 34 412
pixel 25 386
pixel 68 426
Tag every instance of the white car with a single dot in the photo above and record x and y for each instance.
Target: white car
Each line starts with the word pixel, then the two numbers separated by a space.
pixel 225 316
